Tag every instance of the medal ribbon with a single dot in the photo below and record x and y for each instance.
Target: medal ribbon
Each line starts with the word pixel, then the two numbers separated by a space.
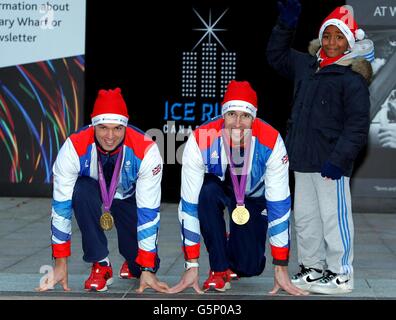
pixel 239 187
pixel 107 197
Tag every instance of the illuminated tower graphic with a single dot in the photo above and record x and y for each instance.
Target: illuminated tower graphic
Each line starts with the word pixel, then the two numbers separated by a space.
pixel 209 67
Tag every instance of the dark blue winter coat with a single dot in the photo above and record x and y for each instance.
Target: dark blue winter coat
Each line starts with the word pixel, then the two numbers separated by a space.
pixel 330 114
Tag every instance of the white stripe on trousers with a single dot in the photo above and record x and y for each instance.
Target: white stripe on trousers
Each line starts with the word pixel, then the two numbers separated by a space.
pixel 323 222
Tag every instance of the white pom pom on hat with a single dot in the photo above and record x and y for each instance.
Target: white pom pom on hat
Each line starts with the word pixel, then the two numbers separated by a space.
pixel 359 34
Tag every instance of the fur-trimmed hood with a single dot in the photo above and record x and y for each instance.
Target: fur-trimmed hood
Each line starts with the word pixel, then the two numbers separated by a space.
pixel 359 65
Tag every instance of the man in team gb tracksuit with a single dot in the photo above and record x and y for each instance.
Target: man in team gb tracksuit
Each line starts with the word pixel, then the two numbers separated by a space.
pixel 240 162
pixel 108 173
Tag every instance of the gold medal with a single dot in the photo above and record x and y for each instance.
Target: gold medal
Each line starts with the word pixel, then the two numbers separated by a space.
pixel 240 215
pixel 106 221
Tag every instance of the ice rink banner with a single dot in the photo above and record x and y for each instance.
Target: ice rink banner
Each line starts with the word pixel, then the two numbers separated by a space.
pixel 376 176
pixel 206 58
pixel 206 66
pixel 42 47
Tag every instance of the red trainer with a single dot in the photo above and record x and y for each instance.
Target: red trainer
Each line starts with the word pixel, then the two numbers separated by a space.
pixel 231 275
pixel 125 273
pixel 100 278
pixel 218 281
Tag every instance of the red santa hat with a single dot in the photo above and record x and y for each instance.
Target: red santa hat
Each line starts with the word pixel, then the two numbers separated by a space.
pixel 240 96
pixel 110 107
pixel 342 18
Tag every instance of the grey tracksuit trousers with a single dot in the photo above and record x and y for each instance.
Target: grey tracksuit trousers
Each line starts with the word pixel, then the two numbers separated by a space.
pixel 323 222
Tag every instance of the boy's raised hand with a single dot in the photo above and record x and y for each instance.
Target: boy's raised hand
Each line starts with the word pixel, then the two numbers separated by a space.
pixel 289 12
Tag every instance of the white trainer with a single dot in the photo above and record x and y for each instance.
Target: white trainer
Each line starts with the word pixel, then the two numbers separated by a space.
pixel 333 283
pixel 306 277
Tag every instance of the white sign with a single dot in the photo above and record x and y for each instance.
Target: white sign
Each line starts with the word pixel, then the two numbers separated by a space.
pixel 41 30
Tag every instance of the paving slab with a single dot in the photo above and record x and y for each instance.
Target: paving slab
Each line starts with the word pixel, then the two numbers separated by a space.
pixel 25 258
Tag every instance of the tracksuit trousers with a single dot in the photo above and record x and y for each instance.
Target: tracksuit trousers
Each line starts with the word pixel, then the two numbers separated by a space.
pixel 87 203
pixel 243 251
pixel 323 222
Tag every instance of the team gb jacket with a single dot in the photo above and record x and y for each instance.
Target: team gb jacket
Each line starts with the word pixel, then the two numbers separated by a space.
pixel 267 176
pixel 140 174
